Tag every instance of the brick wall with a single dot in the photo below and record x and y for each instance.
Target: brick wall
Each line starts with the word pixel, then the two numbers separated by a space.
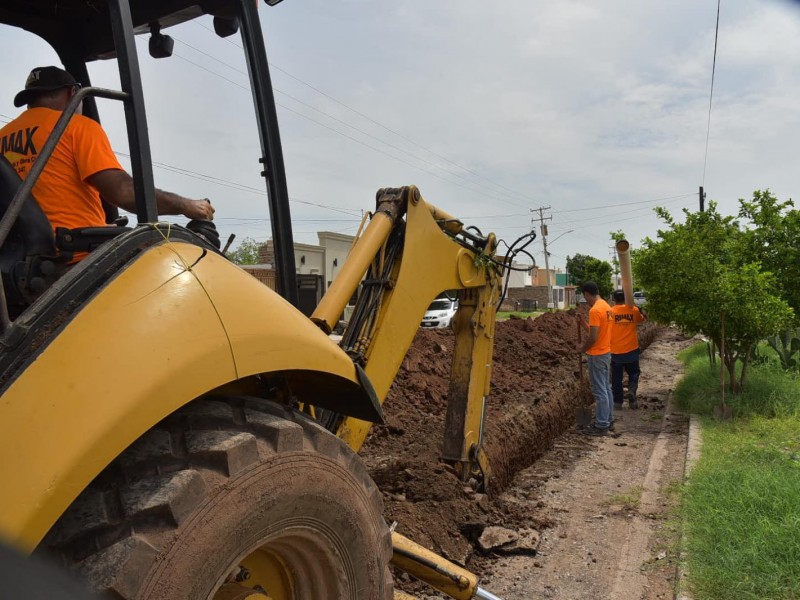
pixel 266 254
pixel 515 296
pixel 265 276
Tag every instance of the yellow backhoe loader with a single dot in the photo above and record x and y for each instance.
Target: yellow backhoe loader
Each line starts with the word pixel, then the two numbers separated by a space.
pixel 170 428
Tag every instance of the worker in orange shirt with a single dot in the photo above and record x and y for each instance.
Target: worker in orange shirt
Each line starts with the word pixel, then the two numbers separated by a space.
pixel 597 347
pixel 83 166
pixel 625 349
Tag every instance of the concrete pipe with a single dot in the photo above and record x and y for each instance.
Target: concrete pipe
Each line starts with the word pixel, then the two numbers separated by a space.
pixel 624 257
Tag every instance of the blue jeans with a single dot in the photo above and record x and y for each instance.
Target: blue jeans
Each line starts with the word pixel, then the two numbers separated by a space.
pixel 621 363
pixel 599 371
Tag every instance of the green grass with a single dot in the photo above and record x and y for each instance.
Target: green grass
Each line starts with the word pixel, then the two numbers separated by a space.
pixel 742 510
pixel 769 390
pixel 742 502
pixel 628 500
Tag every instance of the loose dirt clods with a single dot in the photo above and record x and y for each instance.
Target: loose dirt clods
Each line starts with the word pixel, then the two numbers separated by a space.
pixel 615 531
pixel 535 390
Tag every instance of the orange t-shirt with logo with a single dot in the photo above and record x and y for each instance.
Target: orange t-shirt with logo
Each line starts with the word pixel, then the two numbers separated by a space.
pixel 600 317
pixel 61 190
pixel 623 329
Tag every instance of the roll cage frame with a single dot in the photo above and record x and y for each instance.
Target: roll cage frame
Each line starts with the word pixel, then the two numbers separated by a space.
pixel 81 31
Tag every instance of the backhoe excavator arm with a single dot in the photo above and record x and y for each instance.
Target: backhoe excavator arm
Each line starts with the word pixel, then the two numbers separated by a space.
pixel 400 266
pixel 470 378
pixel 407 264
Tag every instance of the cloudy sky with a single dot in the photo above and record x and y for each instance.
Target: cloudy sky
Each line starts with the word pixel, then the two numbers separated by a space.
pixel 596 109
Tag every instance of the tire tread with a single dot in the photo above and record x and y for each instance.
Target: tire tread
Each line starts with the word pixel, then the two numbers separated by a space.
pixel 119 525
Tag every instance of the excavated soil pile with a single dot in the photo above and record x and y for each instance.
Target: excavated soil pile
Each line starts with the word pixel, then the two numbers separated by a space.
pixel 535 390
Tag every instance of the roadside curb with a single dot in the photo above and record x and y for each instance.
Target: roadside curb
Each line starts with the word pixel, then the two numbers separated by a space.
pixel 640 536
pixel 693 448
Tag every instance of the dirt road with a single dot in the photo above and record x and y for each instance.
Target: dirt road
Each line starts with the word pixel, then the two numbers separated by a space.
pixel 594 509
pixel 609 501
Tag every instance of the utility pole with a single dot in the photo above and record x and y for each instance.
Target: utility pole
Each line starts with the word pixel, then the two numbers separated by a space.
pixel 615 264
pixel 567 302
pixel 543 229
pixel 702 199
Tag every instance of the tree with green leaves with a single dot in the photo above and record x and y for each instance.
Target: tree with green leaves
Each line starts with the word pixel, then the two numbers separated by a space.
pixel 246 253
pixel 583 267
pixel 700 276
pixel 617 235
pixel 773 239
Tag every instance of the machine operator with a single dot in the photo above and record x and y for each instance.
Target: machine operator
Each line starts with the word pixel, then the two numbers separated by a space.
pixel 83 167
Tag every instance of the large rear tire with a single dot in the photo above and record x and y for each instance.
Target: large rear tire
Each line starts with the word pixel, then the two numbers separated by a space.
pixel 226 494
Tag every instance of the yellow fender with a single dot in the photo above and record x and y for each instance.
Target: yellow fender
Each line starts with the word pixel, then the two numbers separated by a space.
pixel 175 324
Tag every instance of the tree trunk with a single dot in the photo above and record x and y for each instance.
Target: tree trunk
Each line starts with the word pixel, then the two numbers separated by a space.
pixel 745 363
pixel 730 364
pixel 711 350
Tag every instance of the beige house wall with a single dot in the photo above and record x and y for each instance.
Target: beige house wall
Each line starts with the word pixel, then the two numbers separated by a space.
pixel 325 259
pixel 336 247
pixel 309 259
pixel 519 279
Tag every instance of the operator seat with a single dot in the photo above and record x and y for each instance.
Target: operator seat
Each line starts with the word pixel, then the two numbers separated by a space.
pixel 28 256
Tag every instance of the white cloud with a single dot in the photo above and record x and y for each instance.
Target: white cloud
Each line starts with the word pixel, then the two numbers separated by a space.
pixel 571 104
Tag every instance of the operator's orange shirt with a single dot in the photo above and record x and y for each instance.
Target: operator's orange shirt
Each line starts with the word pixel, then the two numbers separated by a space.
pixel 623 329
pixel 62 190
pixel 600 317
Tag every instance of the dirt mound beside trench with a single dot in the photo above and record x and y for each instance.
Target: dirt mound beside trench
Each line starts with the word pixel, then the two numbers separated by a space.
pixel 535 390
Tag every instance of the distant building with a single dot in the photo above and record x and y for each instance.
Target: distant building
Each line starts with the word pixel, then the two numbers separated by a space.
pixel 564 280
pixel 540 276
pixel 264 273
pixel 519 276
pixel 527 291
pixel 316 265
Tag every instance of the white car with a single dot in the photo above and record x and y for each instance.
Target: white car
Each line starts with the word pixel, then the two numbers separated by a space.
pixel 639 298
pixel 440 313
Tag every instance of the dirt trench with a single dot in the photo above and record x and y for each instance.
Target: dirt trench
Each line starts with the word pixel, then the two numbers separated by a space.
pixel 535 390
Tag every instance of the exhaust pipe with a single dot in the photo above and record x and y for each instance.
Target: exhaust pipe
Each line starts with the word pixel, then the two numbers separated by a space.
pixel 624 257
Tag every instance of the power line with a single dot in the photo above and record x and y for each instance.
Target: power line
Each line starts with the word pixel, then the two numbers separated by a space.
pixel 225 182
pixel 569 222
pixel 242 187
pixel 356 140
pixel 503 216
pixel 711 95
pixel 613 221
pixel 604 206
pixel 245 221
pixel 245 188
pixel 269 237
pixel 315 109
pixel 239 186
pixel 594 223
pixel 329 116
pixel 371 120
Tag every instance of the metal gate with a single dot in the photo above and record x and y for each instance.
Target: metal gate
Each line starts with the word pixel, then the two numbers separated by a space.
pixel 309 292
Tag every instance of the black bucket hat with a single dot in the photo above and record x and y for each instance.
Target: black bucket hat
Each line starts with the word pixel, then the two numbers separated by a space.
pixel 43 79
pixel 590 287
